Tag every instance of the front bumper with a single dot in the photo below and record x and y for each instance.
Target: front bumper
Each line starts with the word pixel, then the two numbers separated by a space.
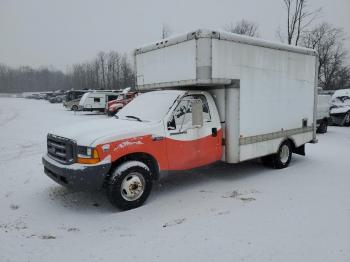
pixel 77 176
pixel 339 119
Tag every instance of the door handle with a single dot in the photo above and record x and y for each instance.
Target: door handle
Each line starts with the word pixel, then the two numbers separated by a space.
pixel 214 132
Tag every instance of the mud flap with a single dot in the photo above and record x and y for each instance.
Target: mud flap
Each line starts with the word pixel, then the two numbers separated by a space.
pixel 299 150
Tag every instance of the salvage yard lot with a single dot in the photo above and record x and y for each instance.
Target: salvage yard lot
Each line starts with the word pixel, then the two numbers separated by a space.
pixel 244 212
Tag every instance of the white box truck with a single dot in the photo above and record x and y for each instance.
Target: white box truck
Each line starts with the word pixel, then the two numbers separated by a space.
pixel 212 96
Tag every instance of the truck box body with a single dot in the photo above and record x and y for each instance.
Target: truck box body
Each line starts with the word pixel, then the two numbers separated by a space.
pixel 264 91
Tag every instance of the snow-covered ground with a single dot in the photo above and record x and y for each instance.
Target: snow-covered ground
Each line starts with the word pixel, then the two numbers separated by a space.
pixel 244 212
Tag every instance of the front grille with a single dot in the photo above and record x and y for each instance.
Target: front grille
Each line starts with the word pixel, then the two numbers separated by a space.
pixel 61 149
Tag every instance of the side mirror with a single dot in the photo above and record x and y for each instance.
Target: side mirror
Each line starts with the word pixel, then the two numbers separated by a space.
pixel 171 124
pixel 197 113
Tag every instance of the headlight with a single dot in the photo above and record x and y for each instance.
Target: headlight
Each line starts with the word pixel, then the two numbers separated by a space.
pixel 87 155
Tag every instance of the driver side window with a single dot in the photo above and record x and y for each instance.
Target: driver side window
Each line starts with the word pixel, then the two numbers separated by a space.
pixel 181 118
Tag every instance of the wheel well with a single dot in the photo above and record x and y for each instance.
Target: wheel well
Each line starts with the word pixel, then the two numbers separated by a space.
pixel 145 158
pixel 296 150
pixel 291 141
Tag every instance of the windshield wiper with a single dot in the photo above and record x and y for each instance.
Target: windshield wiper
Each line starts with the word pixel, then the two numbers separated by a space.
pixel 134 117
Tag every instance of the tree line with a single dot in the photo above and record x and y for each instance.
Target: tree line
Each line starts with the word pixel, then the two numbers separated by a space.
pixel 302 30
pixel 113 70
pixel 110 70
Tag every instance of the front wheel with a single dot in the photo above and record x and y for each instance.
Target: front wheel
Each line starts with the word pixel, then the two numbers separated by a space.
pixel 347 119
pixel 74 108
pixel 130 185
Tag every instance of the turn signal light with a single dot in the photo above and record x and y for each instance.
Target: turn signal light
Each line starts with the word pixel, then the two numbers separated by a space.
pixel 93 160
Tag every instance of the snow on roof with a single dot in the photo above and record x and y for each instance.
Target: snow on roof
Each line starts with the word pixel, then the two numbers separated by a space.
pixel 215 34
pixel 341 92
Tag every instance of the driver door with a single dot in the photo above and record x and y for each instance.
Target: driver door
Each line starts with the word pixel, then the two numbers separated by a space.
pixel 181 139
pixel 191 146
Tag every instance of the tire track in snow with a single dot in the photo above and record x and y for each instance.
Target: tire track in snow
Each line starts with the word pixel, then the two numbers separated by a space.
pixel 13 115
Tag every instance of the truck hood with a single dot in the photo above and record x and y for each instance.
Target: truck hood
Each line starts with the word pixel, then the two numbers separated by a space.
pixel 99 131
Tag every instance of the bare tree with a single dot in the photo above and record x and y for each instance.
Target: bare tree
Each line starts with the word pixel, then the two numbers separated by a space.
pixel 166 31
pixel 243 27
pixel 25 78
pixel 298 19
pixel 328 42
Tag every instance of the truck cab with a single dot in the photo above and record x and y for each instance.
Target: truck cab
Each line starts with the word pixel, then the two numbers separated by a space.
pixel 181 131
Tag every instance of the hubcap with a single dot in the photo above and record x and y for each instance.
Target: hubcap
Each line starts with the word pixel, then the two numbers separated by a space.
pixel 284 154
pixel 133 186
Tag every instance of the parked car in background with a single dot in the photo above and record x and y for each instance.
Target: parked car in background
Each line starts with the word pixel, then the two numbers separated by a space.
pixel 56 99
pixel 113 107
pixel 340 108
pixel 97 100
pixel 72 99
pixel 322 113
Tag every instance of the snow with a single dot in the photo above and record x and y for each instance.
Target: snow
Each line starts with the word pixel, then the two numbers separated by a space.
pixel 243 212
pixel 151 106
pixel 341 101
pixel 129 164
pixel 107 129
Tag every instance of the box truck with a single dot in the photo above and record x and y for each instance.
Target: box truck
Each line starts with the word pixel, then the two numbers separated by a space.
pixel 211 96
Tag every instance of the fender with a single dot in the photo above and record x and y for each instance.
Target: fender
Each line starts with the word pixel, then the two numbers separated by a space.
pixel 141 144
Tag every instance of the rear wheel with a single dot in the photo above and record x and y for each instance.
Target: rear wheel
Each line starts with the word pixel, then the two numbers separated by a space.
pixel 74 108
pixel 281 159
pixel 322 129
pixel 129 185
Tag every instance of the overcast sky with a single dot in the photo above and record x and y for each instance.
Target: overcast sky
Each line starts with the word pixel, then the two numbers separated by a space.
pixel 64 32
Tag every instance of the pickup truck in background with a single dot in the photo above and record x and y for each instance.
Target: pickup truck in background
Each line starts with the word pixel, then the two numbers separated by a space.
pixel 113 106
pixel 211 96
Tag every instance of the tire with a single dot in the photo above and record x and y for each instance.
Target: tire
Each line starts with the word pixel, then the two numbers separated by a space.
pixel 281 159
pixel 129 185
pixel 322 129
pixel 347 120
pixel 74 108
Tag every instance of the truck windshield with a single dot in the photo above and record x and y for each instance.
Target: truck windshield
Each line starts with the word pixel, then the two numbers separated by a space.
pixel 151 106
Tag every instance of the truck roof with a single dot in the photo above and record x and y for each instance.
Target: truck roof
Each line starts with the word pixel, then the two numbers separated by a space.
pixel 214 34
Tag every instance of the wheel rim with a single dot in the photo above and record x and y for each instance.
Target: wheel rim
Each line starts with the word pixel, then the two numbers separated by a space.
pixel 133 186
pixel 284 154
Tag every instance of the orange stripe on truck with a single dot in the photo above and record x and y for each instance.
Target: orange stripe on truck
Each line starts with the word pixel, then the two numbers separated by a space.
pixel 170 154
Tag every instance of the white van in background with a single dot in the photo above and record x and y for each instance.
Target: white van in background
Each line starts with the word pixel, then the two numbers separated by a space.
pixel 97 100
